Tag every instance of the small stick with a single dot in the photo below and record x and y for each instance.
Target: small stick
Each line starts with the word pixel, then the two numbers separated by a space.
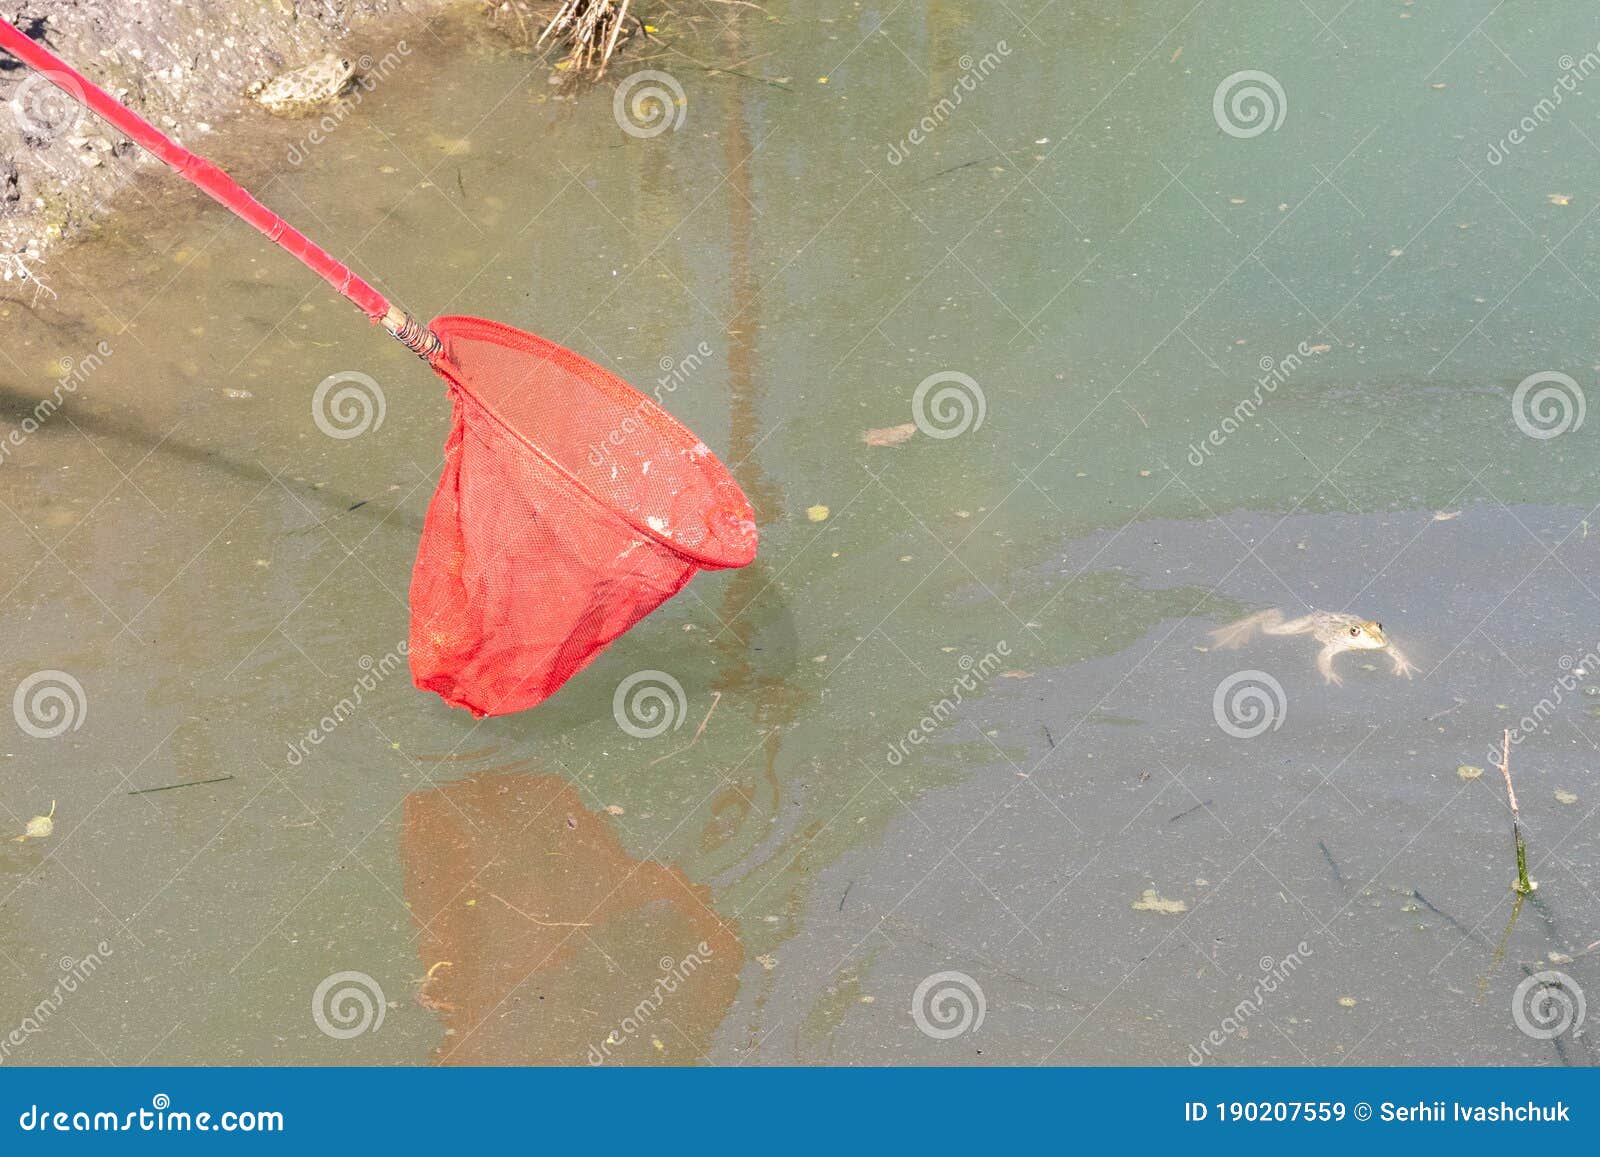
pixel 716 697
pixel 611 44
pixel 1190 811
pixel 1523 885
pixel 171 786
pixel 1327 855
pixel 535 919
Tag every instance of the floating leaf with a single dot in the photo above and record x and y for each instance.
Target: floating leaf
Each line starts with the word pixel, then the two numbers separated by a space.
pixel 889 435
pixel 40 826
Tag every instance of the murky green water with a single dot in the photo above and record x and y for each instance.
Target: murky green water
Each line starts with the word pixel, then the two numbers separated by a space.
pixel 772 881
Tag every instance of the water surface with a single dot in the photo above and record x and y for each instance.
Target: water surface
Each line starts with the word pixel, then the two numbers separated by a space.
pixel 1115 273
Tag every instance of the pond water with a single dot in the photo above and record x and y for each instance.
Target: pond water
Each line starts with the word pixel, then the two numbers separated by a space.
pixel 967 719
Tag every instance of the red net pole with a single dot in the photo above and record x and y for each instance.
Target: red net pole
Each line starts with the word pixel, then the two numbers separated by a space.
pixel 196 170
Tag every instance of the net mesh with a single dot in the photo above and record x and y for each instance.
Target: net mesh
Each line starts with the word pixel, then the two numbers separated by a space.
pixel 570 507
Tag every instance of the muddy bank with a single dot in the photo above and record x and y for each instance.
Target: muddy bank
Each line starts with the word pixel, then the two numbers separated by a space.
pixel 184 67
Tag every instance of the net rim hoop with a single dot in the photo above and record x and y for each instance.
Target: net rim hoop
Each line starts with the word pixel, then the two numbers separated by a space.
pixel 447 325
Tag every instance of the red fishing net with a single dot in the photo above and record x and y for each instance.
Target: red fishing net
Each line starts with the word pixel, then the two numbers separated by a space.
pixel 571 506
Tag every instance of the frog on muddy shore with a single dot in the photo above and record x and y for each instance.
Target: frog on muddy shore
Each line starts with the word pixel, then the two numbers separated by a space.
pixel 302 89
pixel 1335 630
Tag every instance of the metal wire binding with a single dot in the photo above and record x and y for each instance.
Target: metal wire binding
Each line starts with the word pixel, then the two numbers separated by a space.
pixel 412 334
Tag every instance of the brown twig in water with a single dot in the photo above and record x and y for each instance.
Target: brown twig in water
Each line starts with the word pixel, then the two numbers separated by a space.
pixel 1523 885
pixel 716 697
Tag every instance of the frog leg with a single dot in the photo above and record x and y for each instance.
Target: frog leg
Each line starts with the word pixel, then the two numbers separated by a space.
pixel 1402 665
pixel 1236 635
pixel 1292 627
pixel 1325 662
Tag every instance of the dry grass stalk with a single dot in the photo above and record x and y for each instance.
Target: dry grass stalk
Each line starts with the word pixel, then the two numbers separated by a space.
pixel 591 29
pixel 1523 885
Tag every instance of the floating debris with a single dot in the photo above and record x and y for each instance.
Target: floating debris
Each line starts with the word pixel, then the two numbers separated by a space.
pixel 593 28
pixel 39 826
pixel 1150 902
pixel 1468 771
pixel 1564 796
pixel 1347 1002
pixel 889 435
pixel 818 513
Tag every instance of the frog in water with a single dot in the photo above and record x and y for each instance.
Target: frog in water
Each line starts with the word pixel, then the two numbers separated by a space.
pixel 303 89
pixel 1336 631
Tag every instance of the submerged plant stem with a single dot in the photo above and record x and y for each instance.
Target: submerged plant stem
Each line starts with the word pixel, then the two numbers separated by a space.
pixel 1523 885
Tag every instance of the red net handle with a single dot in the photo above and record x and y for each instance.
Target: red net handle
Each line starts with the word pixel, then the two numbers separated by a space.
pixel 220 187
